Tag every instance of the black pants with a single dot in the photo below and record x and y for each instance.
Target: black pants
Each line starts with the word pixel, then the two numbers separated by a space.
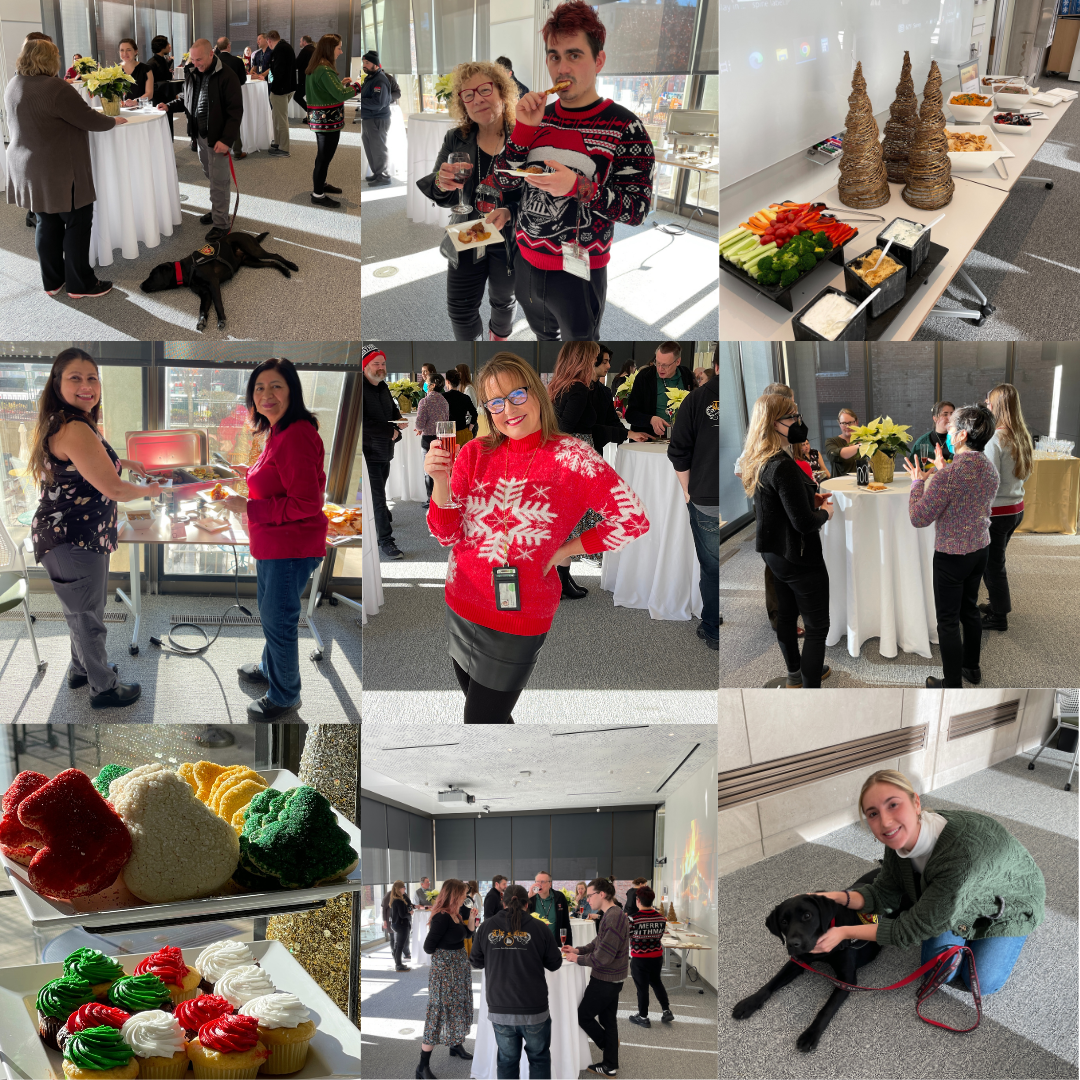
pixel 326 142
pixel 398 940
pixel 559 306
pixel 956 601
pixel 300 91
pixel 770 597
pixel 801 590
pixel 373 134
pixel 997 581
pixel 465 293
pixel 63 248
pixel 597 1016
pixel 646 972
pixel 482 704
pixel 425 445
pixel 378 472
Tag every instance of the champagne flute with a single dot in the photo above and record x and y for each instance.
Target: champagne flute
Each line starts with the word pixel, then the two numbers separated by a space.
pixel 446 433
pixel 562 935
pixel 463 166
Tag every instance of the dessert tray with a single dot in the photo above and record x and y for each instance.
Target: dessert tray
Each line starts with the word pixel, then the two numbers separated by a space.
pixel 116 906
pixel 334 1053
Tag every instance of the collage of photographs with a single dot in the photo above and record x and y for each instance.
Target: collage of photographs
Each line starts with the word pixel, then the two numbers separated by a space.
pixel 693 361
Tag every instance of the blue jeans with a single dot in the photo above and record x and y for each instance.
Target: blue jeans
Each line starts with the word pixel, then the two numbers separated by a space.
pixel 995 958
pixel 537 1039
pixel 281 581
pixel 706 532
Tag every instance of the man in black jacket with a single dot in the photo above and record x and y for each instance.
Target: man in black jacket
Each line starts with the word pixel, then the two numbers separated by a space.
pixel 493 900
pixel 550 904
pixel 462 410
pixel 214 107
pixel 381 421
pixel 236 65
pixel 375 102
pixel 694 451
pixel 646 408
pixel 281 77
pixel 303 58
pixel 504 62
pixel 516 953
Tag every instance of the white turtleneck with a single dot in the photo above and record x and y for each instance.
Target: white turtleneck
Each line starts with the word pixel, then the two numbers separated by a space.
pixel 929 831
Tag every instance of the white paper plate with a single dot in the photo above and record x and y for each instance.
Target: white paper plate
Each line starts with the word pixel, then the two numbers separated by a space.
pixel 204 494
pixel 977 160
pixel 334 1052
pixel 517 172
pixel 116 905
pixel 453 230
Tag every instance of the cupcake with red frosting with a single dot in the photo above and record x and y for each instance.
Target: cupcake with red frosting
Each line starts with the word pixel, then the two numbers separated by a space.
pixel 87 1016
pixel 228 1048
pixel 201 1010
pixel 168 965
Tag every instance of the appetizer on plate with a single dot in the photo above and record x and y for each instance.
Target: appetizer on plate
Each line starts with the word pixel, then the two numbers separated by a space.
pixel 476 232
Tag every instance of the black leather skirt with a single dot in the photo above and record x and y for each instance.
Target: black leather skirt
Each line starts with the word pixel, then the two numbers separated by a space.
pixel 495 659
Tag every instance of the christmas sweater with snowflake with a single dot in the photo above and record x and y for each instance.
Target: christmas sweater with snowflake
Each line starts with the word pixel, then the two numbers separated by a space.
pixel 529 496
pixel 607 145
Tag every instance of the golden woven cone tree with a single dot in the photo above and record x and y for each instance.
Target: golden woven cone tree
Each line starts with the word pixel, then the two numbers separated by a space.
pixel 864 183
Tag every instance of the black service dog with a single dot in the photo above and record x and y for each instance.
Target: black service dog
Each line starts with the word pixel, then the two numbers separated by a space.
pixel 799 922
pixel 205 270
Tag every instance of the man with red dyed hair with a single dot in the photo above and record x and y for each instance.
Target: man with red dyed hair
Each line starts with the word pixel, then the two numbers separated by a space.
pixel 600 165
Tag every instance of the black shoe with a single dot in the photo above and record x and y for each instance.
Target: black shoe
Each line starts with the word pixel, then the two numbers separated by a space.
pixel 641 1021
pixel 668 1016
pixel 986 609
pixel 31 219
pixel 330 188
pixel 265 709
pixel 972 674
pixel 325 200
pixel 379 181
pixel 276 151
pixel 216 233
pixel 424 1073
pixel 239 157
pixel 207 219
pixel 459 1051
pixel 120 695
pixel 194 147
pixel 252 672
pixel 390 552
pixel 571 590
pixel 402 967
pixel 601 1069
pixel 712 642
pixel 995 622
pixel 794 678
pixel 99 288
pixel 934 684
pixel 426 503
pixel 75 681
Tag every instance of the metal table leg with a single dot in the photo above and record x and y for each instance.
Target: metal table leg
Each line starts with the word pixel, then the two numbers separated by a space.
pixel 980 316
pixel 313 602
pixel 134 601
pixel 358 604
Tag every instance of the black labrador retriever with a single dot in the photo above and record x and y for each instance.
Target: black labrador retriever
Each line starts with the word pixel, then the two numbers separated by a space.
pixel 205 270
pixel 799 922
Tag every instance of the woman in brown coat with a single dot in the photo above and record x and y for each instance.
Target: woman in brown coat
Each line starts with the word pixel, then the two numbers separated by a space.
pixel 48 167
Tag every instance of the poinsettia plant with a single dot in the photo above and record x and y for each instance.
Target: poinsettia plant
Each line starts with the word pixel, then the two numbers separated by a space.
pixel 537 915
pixel 413 391
pixel 884 435
pixel 84 65
pixel 108 83
pixel 622 395
pixel 675 398
pixel 443 92
pixel 431 894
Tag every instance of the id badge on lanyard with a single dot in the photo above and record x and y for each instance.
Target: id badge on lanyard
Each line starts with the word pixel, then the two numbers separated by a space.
pixel 507 589
pixel 575 259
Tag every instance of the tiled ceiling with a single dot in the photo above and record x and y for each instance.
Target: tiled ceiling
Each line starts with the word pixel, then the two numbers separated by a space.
pixel 531 767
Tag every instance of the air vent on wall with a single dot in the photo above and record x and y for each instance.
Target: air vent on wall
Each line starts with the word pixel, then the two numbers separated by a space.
pixel 969 723
pixel 782 774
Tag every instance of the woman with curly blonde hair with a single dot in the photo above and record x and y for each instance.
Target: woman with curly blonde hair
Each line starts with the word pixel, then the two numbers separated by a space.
pixel 482 101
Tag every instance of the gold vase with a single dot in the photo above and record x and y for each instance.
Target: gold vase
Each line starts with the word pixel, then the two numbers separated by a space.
pixel 405 404
pixel 110 106
pixel 883 467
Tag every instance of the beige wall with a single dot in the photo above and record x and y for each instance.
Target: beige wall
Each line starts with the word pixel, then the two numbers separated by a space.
pixel 762 725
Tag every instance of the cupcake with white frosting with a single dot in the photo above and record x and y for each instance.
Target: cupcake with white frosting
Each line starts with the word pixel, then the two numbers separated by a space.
pixel 239 985
pixel 158 1042
pixel 285 1030
pixel 220 957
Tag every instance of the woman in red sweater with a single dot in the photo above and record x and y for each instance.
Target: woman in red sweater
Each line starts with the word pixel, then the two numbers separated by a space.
pixel 286 526
pixel 522 489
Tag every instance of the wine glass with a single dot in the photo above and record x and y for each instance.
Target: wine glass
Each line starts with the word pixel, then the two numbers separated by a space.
pixel 446 433
pixel 562 935
pixel 463 167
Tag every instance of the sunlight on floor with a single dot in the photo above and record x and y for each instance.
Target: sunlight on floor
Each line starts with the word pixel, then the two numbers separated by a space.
pixel 410 268
pixel 690 317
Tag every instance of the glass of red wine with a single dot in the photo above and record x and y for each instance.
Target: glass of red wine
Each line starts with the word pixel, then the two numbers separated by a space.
pixel 461 163
pixel 446 433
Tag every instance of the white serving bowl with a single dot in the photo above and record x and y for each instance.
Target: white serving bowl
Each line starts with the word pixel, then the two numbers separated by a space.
pixel 1008 129
pixel 977 160
pixel 974 114
pixel 1014 102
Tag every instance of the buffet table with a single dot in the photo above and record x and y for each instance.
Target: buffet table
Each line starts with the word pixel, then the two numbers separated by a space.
pixel 257 124
pixel 426 134
pixel 406 480
pixel 138 193
pixel 1052 496
pixel 658 571
pixel 569 1047
pixel 416 939
pixel 881 569
pixel 583 931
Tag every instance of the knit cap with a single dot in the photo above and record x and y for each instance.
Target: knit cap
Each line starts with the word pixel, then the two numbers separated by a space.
pixel 369 353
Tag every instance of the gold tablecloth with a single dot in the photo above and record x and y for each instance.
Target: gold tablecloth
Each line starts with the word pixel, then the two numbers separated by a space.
pixel 1052 496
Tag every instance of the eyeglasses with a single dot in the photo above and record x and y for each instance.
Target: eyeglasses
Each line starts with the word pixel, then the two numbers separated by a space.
pixel 793 416
pixel 484 90
pixel 515 397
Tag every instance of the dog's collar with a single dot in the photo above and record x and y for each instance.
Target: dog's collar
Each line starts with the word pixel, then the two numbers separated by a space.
pixel 179 273
pixel 867 919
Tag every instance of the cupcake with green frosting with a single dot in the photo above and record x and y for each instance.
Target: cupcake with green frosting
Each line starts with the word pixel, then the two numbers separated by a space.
pixel 99 1053
pixel 56 1001
pixel 140 993
pixel 99 970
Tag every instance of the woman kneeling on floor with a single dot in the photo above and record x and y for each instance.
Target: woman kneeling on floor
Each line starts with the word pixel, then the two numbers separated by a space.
pixel 970 880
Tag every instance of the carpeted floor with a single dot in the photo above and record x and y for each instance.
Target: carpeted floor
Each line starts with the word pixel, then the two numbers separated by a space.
pixel 1038 649
pixel 394 1004
pixel 1028 1029
pixel 659 286
pixel 1025 262
pixel 599 662
pixel 177 689
pixel 321 302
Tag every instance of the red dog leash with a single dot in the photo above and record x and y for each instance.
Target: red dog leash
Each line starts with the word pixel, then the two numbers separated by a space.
pixel 942 966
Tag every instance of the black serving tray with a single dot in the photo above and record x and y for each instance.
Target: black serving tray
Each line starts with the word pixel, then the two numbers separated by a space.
pixel 877 326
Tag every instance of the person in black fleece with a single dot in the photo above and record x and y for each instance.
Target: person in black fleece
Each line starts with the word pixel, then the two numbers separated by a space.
pixel 646 406
pixel 493 902
pixel 515 955
pixel 694 451
pixel 400 918
pixel 789 515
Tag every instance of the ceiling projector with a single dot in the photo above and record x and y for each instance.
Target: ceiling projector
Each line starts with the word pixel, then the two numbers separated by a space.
pixel 456 798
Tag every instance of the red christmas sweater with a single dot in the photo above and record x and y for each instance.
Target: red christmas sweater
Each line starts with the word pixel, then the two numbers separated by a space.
pixel 541 492
pixel 607 145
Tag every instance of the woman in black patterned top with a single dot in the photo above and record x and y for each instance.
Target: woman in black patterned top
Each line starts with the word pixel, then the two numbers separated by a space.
pixel 74 527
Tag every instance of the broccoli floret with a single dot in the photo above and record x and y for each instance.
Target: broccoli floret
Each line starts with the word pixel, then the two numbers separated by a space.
pixel 807 262
pixel 765 263
pixel 806 234
pixel 769 277
pixel 822 241
pixel 788 276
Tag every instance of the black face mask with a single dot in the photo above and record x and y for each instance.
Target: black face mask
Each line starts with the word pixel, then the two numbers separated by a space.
pixel 797 433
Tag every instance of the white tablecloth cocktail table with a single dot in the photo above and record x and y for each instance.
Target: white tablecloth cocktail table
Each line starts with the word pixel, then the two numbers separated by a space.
pixel 371 570
pixel 881 569
pixel 583 931
pixel 406 479
pixel 138 193
pixel 416 940
pixel 257 125
pixel 569 1046
pixel 426 134
pixel 658 571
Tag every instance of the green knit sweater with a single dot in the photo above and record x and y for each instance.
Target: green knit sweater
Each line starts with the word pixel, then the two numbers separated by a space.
pixel 324 87
pixel 924 446
pixel 974 860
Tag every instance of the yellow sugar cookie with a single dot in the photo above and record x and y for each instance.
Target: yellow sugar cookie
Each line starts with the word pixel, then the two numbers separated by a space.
pixel 227 781
pixel 237 797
